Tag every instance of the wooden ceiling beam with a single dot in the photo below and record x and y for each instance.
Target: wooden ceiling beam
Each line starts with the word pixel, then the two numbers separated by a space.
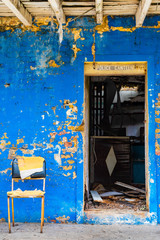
pixel 142 11
pixel 99 10
pixel 57 8
pixel 19 10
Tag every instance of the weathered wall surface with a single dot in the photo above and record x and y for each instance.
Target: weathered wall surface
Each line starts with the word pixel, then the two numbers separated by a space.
pixel 41 103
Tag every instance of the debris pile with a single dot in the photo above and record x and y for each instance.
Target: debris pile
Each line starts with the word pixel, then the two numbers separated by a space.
pixel 121 196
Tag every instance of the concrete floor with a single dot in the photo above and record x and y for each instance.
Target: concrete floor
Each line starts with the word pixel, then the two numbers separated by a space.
pixel 77 232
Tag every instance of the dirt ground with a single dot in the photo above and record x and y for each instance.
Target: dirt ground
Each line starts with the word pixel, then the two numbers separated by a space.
pixel 79 231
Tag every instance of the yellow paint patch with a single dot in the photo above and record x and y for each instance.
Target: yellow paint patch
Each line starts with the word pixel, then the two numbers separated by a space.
pixel 11 23
pixel 32 68
pixel 60 142
pixel 74 175
pixel 104 27
pixel 27 151
pixel 41 21
pixel 75 50
pixel 157 120
pixel 157 112
pixel 76 33
pixel 54 109
pixel 63 133
pixel 8 23
pixel 93 49
pixel 157 130
pixel 16 180
pixel 4 144
pixel 157 26
pixel 67 167
pixel 20 140
pixel 65 156
pixel 80 128
pixel 68 21
pixel 157 146
pixel 68 123
pixel 69 104
pixel 66 175
pixel 53 64
pixel 122 29
pixel 4 136
pixel 40 145
pixel 158 104
pixel 2 220
pixel 74 139
pixel 53 135
pixel 71 161
pixel 72 128
pixel 6 170
pixel 157 135
pixel 63 218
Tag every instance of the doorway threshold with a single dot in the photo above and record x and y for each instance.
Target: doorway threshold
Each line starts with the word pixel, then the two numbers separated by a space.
pixel 120 216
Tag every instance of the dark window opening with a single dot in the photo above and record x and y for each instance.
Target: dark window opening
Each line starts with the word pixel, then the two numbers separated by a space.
pixel 117 153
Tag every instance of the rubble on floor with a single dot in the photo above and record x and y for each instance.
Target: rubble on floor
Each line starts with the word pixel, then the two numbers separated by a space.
pixel 118 197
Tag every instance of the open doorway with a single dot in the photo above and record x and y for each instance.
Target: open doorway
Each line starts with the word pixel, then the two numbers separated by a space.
pixel 116 157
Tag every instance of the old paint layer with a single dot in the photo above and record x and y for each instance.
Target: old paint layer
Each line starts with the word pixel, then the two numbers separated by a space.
pixel 41 105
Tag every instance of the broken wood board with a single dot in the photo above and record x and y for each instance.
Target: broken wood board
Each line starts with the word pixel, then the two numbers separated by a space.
pixel 129 187
pixel 113 193
pixel 96 197
pixel 99 188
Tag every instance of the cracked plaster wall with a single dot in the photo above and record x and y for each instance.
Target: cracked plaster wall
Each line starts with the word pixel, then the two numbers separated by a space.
pixel 41 102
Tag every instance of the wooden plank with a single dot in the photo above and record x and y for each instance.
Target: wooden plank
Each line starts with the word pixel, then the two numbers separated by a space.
pixel 65 3
pixel 89 4
pixel 113 193
pixel 154 9
pixel 36 4
pixel 99 11
pixel 142 12
pixel 96 197
pixel 57 8
pixel 129 187
pixel 7 14
pixel 36 9
pixel 20 11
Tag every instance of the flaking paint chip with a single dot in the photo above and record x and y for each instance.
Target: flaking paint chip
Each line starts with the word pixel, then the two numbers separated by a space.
pixel 111 161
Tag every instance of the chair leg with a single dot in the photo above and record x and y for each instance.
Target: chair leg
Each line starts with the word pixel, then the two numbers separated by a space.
pixel 42 214
pixel 12 212
pixel 9 219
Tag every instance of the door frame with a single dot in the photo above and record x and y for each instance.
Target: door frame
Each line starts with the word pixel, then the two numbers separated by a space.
pixel 107 68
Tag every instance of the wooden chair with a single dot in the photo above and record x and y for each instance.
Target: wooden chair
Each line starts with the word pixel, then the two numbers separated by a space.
pixel 26 194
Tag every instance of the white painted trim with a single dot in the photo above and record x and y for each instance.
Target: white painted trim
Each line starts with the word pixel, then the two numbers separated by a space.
pixel 99 10
pixel 57 8
pixel 142 11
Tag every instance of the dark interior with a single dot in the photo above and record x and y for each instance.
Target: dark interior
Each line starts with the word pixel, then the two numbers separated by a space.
pixel 117 131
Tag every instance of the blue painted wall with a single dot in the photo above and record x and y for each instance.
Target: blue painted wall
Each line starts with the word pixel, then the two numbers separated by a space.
pixel 41 101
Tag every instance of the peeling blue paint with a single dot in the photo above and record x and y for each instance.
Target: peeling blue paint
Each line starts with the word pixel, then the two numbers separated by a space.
pixel 34 88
